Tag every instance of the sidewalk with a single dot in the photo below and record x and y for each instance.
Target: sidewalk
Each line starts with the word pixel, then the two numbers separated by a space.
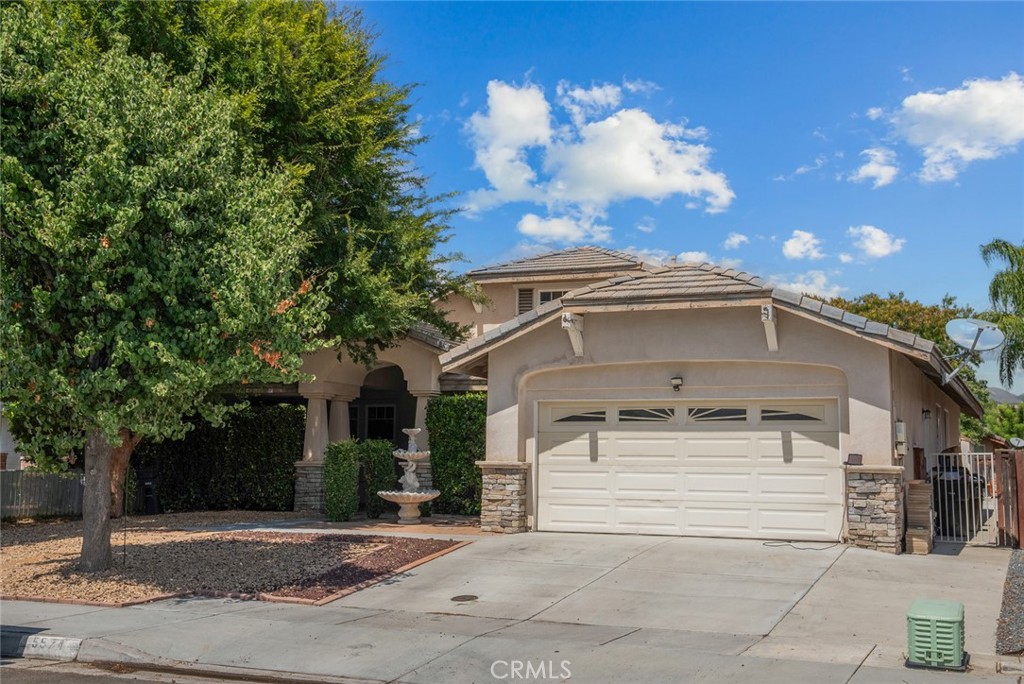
pixel 603 609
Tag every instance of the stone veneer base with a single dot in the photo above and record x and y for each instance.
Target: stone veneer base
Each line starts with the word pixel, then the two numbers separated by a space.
pixel 874 507
pixel 503 499
pixel 309 486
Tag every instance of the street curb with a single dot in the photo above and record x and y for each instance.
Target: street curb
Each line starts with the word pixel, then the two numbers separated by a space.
pixel 15 644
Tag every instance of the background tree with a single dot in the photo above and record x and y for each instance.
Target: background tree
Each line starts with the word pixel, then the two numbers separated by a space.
pixel 147 258
pixel 1005 420
pixel 928 321
pixel 310 96
pixel 1006 292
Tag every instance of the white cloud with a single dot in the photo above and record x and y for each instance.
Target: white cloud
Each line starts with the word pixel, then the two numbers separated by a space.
pixel 875 113
pixel 657 256
pixel 730 263
pixel 980 120
pixel 735 240
pixel 630 155
pixel 604 154
pixel 845 257
pixel 516 118
pixel 563 229
pixel 651 255
pixel 818 163
pixel 813 282
pixel 583 104
pixel 875 243
pixel 880 167
pixel 803 245
pixel 646 225
pixel 693 257
pixel 640 86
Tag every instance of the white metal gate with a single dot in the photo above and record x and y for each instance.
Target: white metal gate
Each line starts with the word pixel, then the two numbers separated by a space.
pixel 965 498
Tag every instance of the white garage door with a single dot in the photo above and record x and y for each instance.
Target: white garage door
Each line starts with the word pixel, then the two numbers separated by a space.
pixel 758 469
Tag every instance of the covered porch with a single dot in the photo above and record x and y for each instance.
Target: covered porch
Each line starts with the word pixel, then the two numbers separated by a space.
pixel 347 400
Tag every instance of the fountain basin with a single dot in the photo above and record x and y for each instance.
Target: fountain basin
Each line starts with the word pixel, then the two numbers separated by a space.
pixel 414 456
pixel 409 503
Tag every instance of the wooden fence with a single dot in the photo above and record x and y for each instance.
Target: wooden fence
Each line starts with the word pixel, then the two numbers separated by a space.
pixel 26 494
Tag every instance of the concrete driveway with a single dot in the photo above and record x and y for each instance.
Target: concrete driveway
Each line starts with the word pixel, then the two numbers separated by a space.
pixel 702 585
pixel 616 608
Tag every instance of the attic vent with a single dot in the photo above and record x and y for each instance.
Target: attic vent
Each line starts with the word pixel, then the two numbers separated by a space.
pixel 525 302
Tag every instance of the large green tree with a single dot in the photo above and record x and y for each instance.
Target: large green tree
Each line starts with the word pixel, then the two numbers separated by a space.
pixel 311 97
pixel 1006 292
pixel 1005 420
pixel 147 256
pixel 928 321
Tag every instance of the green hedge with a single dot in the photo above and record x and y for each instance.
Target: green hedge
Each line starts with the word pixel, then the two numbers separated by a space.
pixel 457 426
pixel 247 464
pixel 377 472
pixel 341 480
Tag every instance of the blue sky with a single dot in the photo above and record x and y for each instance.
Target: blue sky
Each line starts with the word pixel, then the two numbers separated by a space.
pixel 837 148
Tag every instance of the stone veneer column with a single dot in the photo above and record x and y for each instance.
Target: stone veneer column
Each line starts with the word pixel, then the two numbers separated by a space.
pixel 503 499
pixel 424 471
pixel 309 472
pixel 874 507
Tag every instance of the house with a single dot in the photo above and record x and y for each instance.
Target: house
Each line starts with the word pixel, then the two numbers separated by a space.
pixel 685 400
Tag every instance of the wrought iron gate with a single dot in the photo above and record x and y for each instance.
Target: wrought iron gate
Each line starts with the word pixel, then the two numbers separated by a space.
pixel 976 497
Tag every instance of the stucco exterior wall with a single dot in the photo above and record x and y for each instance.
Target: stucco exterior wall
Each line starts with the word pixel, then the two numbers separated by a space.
pixel 419 363
pixel 504 301
pixel 721 353
pixel 912 392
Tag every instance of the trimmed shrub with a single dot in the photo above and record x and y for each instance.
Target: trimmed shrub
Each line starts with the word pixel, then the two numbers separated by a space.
pixel 457 426
pixel 247 464
pixel 377 471
pixel 341 480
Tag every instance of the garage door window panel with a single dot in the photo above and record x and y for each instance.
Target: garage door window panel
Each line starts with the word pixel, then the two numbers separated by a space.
pixel 716 414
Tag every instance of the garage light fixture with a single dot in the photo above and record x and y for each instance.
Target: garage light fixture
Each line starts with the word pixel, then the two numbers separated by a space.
pixel 926 414
pixel 677 382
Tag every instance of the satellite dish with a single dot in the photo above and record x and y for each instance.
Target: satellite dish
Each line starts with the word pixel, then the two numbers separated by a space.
pixel 1016 442
pixel 972 335
pixel 975 335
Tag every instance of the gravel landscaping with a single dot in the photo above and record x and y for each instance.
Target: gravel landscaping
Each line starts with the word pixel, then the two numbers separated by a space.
pixel 1010 633
pixel 164 554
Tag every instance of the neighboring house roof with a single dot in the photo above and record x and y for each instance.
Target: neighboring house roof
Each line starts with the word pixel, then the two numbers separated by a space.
pixel 663 286
pixel 566 262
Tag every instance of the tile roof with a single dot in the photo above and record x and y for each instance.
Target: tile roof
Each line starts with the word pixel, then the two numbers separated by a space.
pixel 705 282
pixel 430 334
pixel 671 283
pixel 568 261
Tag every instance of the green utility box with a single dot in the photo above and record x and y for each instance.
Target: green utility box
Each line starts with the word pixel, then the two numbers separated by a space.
pixel 935 635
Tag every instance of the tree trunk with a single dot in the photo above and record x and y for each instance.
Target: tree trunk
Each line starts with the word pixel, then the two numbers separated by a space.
pixel 120 458
pixel 96 554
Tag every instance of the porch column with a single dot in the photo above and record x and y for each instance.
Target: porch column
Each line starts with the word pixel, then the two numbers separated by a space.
pixel 315 443
pixel 425 471
pixel 422 397
pixel 338 429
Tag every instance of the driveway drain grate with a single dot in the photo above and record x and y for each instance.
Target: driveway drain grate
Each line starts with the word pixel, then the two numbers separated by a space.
pixel 462 598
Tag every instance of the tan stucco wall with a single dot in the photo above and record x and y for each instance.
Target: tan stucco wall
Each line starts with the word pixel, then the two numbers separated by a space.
pixel 419 364
pixel 913 391
pixel 720 353
pixel 503 305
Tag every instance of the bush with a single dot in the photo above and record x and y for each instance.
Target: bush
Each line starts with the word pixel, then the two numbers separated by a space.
pixel 457 426
pixel 376 472
pixel 341 480
pixel 247 464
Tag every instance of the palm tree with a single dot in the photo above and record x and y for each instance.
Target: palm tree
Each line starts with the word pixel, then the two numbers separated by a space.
pixel 1006 293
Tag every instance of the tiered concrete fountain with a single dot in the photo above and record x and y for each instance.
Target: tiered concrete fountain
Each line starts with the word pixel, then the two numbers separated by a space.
pixel 411 495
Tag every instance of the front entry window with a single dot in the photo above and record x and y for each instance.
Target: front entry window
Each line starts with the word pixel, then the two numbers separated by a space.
pixel 380 422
